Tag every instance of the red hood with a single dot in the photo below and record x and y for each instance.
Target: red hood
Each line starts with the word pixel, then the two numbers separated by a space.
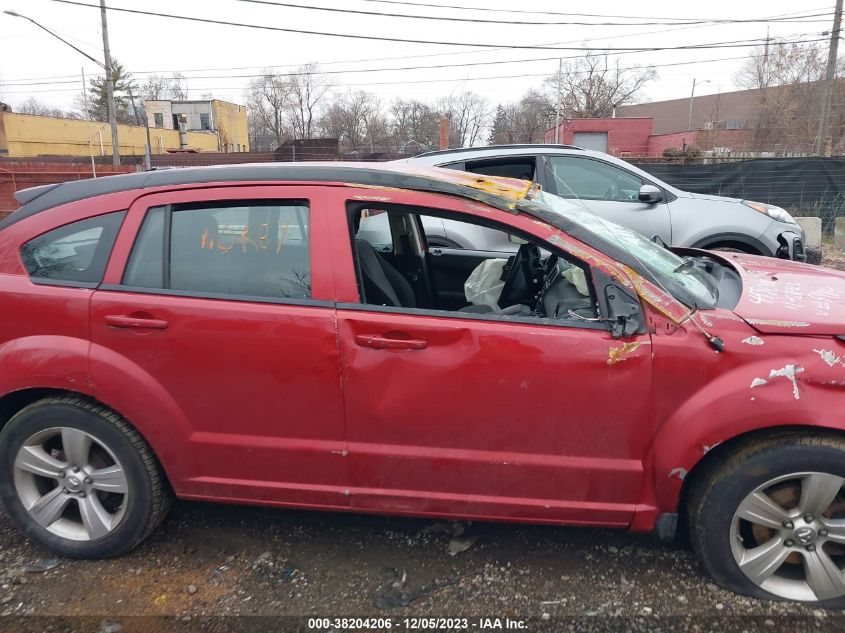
pixel 782 296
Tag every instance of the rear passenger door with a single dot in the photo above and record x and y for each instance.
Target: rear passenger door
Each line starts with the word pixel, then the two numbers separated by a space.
pixel 218 301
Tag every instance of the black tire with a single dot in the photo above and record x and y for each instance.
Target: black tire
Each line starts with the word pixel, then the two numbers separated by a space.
pixel 149 496
pixel 734 248
pixel 717 493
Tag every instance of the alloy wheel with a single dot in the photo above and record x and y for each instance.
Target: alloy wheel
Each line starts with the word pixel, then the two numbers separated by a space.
pixel 71 484
pixel 788 536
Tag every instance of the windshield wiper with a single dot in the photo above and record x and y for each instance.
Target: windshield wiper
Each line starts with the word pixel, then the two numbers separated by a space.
pixel 659 241
pixel 707 279
pixel 688 263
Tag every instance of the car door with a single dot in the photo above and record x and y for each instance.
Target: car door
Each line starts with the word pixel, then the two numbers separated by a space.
pixel 490 416
pixel 218 303
pixel 610 192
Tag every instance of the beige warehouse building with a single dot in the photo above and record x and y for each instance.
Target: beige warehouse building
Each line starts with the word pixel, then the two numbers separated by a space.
pixel 210 126
pixel 226 120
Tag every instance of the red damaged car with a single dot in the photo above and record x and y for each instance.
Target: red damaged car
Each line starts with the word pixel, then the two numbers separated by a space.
pixel 238 334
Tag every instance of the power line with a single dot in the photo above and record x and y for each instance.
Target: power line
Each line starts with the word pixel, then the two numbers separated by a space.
pixel 569 22
pixel 402 68
pixel 23 83
pixel 402 57
pixel 264 27
pixel 75 76
pixel 527 12
pixel 386 83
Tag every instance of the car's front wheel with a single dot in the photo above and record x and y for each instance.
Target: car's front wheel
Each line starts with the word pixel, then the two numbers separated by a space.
pixel 769 521
pixel 78 479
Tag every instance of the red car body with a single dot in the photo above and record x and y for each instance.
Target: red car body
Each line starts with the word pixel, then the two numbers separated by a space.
pixel 330 403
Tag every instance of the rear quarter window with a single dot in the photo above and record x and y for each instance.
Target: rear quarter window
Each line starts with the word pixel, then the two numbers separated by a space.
pixel 76 252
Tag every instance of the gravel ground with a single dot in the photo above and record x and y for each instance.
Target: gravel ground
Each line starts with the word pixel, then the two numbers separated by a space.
pixel 832 257
pixel 209 561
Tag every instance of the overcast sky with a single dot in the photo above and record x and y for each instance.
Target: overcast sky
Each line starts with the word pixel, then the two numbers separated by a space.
pixel 210 54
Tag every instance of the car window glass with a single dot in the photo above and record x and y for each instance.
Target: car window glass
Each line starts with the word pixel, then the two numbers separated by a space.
pixel 589 179
pixel 522 168
pixel 257 249
pixel 74 252
pixel 146 263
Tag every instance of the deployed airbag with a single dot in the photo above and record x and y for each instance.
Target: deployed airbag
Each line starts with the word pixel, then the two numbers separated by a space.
pixel 484 284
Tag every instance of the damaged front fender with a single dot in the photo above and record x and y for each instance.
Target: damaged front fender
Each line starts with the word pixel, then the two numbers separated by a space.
pixel 794 382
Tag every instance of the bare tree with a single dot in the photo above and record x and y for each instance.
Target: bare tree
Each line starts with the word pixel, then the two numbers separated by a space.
pixel 266 102
pixel 787 82
pixel 355 119
pixel 592 87
pixel 529 118
pixel 33 106
pixel 159 87
pixel 306 94
pixel 468 114
pixel 413 124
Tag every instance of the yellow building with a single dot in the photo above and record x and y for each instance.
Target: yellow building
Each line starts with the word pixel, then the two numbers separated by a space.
pixel 23 135
pixel 226 120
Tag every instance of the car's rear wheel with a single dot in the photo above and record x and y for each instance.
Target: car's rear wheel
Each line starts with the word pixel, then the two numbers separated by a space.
pixel 78 479
pixel 769 521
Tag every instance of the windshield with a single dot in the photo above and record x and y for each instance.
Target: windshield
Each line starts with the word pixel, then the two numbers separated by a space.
pixel 664 265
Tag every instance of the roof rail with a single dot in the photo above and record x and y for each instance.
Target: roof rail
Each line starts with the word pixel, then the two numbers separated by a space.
pixel 513 146
pixel 38 199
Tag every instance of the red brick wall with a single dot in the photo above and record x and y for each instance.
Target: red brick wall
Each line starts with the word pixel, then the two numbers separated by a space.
pixel 628 136
pixel 15 175
pixel 660 142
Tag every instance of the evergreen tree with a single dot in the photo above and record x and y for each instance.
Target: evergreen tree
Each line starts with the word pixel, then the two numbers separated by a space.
pixel 96 106
pixel 499 131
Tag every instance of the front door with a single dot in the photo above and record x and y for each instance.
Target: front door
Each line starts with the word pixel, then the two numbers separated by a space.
pixel 484 415
pixel 223 310
pixel 610 192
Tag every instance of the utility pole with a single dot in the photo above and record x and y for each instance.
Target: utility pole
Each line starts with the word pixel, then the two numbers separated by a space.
pixel 691 98
pixel 557 104
pixel 84 89
pixel 148 146
pixel 115 143
pixel 830 78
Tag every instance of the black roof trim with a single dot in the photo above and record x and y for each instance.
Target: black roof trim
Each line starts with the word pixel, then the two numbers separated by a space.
pixel 40 199
pixel 28 195
pixel 459 150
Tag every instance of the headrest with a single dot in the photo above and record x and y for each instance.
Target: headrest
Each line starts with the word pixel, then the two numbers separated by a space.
pixel 197 227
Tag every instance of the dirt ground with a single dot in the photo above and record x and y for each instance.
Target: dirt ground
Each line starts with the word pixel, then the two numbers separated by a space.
pixel 240 568
pixel 209 560
pixel 832 257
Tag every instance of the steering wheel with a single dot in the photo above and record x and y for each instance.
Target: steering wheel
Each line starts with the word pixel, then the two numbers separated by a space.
pixel 611 193
pixel 523 279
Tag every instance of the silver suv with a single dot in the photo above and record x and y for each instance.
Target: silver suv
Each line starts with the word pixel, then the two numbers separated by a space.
pixel 619 191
